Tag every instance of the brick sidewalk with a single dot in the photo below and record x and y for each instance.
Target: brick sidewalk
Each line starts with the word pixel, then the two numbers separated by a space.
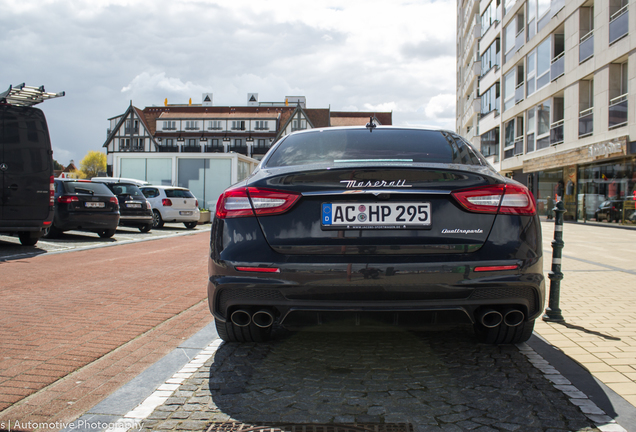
pixel 598 302
pixel 59 313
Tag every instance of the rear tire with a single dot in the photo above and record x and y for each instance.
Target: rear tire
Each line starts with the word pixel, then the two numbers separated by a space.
pixel 50 232
pixel 190 225
pixel 233 333
pixel 28 238
pixel 107 233
pixel 145 228
pixel 157 220
pixel 503 334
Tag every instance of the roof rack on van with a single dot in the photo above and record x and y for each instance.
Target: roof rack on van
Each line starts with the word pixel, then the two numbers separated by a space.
pixel 23 95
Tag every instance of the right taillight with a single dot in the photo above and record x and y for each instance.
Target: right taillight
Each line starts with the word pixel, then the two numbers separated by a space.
pixel 166 202
pixel 505 199
pixel 250 201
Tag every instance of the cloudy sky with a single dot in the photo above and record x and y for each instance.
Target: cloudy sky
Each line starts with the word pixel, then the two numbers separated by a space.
pixel 396 55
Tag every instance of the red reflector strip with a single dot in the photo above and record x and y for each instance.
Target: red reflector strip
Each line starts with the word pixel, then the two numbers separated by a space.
pixel 496 268
pixel 259 269
pixel 47 223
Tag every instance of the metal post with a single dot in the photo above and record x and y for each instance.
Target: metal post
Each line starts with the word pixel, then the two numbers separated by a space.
pixel 552 312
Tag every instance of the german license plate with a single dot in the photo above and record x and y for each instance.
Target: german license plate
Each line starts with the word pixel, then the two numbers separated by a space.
pixel 397 215
pixel 133 205
pixel 94 204
pixel 185 213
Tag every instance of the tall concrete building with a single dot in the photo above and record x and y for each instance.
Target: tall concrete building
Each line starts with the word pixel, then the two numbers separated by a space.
pixel 547 91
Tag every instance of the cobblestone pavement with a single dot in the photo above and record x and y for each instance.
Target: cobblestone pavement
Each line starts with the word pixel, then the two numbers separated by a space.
pixel 436 381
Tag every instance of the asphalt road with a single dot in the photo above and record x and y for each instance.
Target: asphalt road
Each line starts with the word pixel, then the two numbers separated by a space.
pixel 11 249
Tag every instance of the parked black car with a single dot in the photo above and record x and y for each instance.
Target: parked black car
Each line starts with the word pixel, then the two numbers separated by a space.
pixel 134 208
pixel 376 225
pixel 612 210
pixel 85 206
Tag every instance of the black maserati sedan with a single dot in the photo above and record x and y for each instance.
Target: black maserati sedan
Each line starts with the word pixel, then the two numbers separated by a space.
pixel 375 227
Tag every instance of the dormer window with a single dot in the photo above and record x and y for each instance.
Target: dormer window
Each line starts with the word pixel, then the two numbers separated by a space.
pixel 192 125
pixel 261 125
pixel 169 125
pixel 214 125
pixel 238 125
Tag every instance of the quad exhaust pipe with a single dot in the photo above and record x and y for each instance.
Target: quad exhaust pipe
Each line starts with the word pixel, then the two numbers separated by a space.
pixel 491 318
pixel 263 318
pixel 513 317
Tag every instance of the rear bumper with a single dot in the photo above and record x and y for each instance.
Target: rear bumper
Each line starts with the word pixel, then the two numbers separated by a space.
pixel 31 225
pixel 136 220
pixel 421 293
pixel 174 215
pixel 84 221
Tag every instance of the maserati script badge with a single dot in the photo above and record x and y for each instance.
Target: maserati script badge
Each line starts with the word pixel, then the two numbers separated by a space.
pixel 376 184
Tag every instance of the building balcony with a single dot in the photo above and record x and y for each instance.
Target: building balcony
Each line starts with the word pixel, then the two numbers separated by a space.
pixel 260 150
pixel 168 148
pixel 618 111
pixel 131 130
pixel 557 68
pixel 212 148
pixel 556 132
pixel 586 47
pixel 238 149
pixel 586 122
pixel 191 149
pixel 519 93
pixel 619 25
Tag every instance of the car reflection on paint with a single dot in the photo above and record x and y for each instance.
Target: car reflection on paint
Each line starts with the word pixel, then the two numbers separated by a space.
pixel 375 226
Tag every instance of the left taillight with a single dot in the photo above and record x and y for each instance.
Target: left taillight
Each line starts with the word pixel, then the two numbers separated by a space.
pixel 67 199
pixel 52 191
pixel 250 201
pixel 503 199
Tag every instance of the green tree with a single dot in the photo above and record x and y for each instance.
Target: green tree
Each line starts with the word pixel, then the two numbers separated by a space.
pixel 93 163
pixel 57 166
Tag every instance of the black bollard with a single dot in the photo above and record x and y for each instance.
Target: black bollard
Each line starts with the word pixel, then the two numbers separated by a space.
pixel 552 312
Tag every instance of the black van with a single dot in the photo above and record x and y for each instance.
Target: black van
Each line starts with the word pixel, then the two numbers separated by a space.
pixel 26 171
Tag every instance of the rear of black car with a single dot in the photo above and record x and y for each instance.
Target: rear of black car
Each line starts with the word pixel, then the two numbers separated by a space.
pixel 380 226
pixel 84 205
pixel 134 208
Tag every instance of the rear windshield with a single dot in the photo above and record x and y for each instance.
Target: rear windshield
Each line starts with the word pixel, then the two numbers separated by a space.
pixel 179 193
pixel 382 145
pixel 126 189
pixel 87 188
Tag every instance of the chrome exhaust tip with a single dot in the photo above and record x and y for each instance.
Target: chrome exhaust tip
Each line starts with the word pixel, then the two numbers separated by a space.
pixel 263 318
pixel 490 318
pixel 513 317
pixel 241 318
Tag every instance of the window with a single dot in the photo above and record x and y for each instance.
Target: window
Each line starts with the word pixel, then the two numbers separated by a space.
pixel 260 143
pixel 509 89
pixel 169 125
pixel 509 38
pixel 530 130
pixel 586 107
pixel 531 73
pixel 192 142
pixel 238 125
pixel 543 124
pixel 214 125
pixel 138 144
pixel 490 99
pixel 192 125
pixel 169 142
pixel 261 125
pixel 490 16
pixel 299 125
pixel 543 63
pixel 490 58
pixel 490 142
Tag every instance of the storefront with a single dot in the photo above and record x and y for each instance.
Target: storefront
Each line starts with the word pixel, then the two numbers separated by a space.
pixel 596 183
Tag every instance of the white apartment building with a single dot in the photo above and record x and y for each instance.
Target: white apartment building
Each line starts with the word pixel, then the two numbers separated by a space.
pixel 547 91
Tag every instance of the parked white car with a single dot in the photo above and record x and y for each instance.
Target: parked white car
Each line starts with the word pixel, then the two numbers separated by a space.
pixel 172 204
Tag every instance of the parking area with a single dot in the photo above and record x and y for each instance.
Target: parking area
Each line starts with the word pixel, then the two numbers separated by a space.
pixel 10 247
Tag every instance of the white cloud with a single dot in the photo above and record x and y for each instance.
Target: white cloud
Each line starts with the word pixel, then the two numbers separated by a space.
pixel 367 54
